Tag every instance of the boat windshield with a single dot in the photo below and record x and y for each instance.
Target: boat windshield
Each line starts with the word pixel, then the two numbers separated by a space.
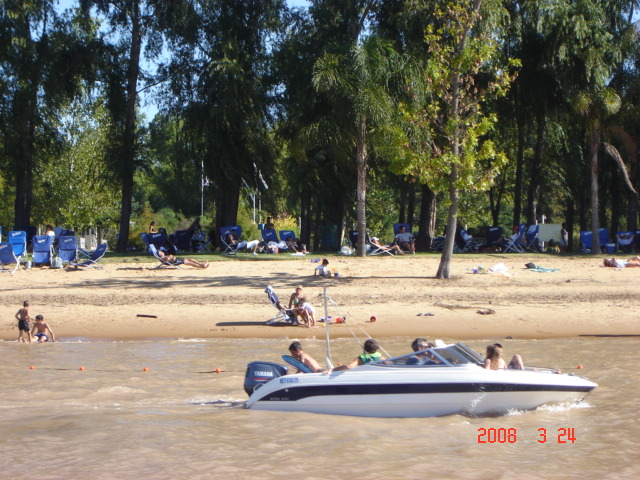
pixel 458 354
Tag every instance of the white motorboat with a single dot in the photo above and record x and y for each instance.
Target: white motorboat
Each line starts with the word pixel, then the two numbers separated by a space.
pixel 457 384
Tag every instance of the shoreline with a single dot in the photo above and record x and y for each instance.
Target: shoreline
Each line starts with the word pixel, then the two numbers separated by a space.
pixel 227 300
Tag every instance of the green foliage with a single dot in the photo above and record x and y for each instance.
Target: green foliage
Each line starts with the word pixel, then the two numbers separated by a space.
pixel 72 189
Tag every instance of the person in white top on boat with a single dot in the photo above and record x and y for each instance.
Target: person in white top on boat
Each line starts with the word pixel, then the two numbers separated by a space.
pixel 296 352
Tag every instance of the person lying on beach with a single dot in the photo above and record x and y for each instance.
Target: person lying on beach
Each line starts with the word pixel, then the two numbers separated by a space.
pixel 618 263
pixel 42 329
pixel 296 352
pixel 182 261
pixel 371 354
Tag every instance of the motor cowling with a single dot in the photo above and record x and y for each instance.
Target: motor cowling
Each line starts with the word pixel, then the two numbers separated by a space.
pixel 259 373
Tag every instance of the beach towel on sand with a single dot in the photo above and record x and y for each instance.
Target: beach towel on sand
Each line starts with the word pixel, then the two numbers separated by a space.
pixel 532 267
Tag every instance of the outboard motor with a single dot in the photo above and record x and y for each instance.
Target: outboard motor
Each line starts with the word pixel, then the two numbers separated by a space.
pixel 259 373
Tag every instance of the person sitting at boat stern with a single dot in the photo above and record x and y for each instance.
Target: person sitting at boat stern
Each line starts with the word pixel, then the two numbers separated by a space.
pixel 371 354
pixel 296 352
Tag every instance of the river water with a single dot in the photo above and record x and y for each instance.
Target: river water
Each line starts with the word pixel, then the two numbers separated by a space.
pixel 182 420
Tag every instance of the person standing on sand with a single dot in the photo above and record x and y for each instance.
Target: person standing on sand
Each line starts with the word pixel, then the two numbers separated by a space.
pixel 23 318
pixel 42 329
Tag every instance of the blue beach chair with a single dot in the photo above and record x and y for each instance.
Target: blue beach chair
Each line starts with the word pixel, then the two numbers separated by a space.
pixel 42 249
pixel 68 249
pixel 18 241
pixel 94 258
pixel 7 257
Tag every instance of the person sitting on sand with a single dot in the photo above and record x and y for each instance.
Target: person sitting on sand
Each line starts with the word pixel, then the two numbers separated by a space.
pixel 296 352
pixel 323 269
pixel 307 312
pixel 618 263
pixel 182 261
pixel 371 354
pixel 42 329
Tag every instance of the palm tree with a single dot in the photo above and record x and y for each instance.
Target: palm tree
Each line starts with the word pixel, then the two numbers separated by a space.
pixel 361 77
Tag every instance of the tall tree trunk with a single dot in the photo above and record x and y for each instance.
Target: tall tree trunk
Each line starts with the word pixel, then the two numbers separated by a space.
pixel 227 201
pixel 24 168
pixel 594 143
pixel 427 220
pixel 361 193
pixel 536 168
pixel 517 196
pixel 411 204
pixel 450 232
pixel 129 135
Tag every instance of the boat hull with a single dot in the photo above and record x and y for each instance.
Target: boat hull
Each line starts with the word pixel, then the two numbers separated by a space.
pixel 388 391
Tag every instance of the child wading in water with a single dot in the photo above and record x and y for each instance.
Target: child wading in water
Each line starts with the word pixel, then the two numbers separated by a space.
pixel 42 329
pixel 23 318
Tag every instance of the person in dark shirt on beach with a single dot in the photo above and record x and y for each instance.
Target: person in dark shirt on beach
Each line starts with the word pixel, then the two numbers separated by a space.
pixel 23 318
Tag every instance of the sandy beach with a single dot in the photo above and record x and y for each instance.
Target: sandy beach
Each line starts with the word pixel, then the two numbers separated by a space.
pixel 134 301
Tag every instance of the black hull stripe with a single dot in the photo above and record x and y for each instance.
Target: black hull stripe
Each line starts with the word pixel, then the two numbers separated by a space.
pixel 293 393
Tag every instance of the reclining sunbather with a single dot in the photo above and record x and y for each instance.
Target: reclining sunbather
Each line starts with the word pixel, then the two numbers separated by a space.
pixel 182 261
pixel 618 263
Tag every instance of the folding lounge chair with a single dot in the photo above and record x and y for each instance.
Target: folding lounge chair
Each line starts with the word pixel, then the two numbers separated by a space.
pixel 375 249
pixel 532 239
pixel 7 257
pixel 18 241
pixel 353 239
pixel 284 315
pixel 94 258
pixel 163 261
pixel 625 242
pixel 586 239
pixel 285 234
pixel 230 248
pixel 492 237
pixel 159 240
pixel 42 249
pixel 183 240
pixel 465 242
pixel 68 249
pixel 407 229
pixel 269 237
pixel 514 242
